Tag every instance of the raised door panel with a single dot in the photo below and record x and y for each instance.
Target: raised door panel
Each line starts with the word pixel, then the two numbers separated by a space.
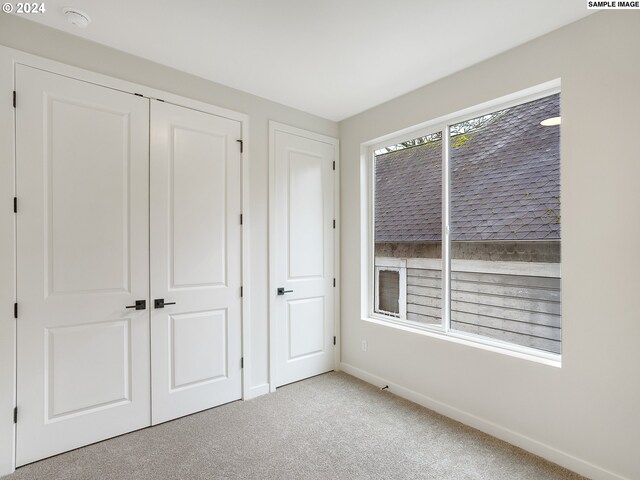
pixel 87 157
pixel 306 215
pixel 74 355
pixel 198 208
pixel 198 348
pixel 306 328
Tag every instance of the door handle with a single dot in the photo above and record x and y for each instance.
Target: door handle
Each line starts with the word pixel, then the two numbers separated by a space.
pixel 140 305
pixel 160 303
pixel 282 291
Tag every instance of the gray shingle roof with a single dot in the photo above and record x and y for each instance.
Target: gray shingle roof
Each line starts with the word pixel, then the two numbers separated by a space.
pixel 505 182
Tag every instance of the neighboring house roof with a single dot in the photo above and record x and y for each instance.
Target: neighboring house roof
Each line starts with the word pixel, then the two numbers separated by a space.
pixel 505 182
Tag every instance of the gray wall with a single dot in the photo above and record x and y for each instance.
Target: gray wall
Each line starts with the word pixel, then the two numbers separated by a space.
pixel 584 414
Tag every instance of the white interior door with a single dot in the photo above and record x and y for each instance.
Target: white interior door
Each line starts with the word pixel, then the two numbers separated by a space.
pixel 302 255
pixel 82 258
pixel 195 260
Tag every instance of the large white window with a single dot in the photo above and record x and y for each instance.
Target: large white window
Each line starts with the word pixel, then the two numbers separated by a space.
pixel 465 226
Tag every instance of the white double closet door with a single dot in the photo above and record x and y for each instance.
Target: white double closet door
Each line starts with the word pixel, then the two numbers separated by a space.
pixel 122 200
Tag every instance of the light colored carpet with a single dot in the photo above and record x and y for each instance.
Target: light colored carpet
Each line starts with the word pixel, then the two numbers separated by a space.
pixel 328 427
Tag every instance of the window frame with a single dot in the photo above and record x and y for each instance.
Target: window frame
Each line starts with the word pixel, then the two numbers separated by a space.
pixel 369 295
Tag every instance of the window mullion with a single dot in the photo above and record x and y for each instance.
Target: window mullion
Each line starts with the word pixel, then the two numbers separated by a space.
pixel 446 230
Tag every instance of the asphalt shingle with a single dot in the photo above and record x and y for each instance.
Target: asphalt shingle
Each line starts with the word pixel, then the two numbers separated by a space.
pixel 505 182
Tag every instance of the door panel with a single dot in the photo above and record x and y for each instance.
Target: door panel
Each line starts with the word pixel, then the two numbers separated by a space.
pixel 195 258
pixel 91 164
pixel 306 327
pixel 82 257
pixel 304 256
pixel 198 199
pixel 71 354
pixel 306 215
pixel 198 348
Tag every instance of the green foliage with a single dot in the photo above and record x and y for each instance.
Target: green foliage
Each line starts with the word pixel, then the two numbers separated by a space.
pixel 459 140
pixel 457 133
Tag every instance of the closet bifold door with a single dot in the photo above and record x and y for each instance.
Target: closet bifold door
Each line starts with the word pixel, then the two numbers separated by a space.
pixel 195 261
pixel 82 261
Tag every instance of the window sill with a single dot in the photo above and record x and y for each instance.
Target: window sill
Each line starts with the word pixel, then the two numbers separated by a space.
pixel 550 359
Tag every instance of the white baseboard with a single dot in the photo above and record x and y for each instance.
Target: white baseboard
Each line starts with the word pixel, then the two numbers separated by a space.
pixel 256 391
pixel 547 452
pixel 6 469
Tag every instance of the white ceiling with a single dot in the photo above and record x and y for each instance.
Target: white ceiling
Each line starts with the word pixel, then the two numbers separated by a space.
pixel 332 58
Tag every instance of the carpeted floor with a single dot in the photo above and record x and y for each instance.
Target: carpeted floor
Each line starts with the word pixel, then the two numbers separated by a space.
pixel 328 427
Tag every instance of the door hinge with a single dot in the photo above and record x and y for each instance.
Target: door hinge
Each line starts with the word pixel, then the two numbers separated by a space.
pixel 334 282
pixel 15 204
pixel 334 340
pixel 241 145
pixel 241 291
pixel 241 362
pixel 334 223
pixel 138 95
pixel 334 164
pixel 240 219
pixel 14 99
pixel 15 414
pixel 15 310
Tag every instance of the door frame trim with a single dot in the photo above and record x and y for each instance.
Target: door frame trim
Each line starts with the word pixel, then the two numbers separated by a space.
pixel 9 58
pixel 7 258
pixel 335 143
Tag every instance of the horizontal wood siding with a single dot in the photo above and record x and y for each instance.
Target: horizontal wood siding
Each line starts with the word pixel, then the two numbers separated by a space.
pixel 516 308
pixel 424 291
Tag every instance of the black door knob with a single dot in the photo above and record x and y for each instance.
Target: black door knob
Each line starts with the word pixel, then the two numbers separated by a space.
pixel 140 305
pixel 282 291
pixel 160 303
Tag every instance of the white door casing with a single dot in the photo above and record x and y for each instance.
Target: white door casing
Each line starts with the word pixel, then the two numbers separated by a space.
pixel 82 258
pixel 302 253
pixel 195 260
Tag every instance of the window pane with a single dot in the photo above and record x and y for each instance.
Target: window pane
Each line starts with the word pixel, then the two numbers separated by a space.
pixel 389 291
pixel 505 226
pixel 408 221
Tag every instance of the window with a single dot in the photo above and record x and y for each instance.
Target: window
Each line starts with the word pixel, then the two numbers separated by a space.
pixel 466 227
pixel 391 287
pixel 388 291
pixel 408 222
